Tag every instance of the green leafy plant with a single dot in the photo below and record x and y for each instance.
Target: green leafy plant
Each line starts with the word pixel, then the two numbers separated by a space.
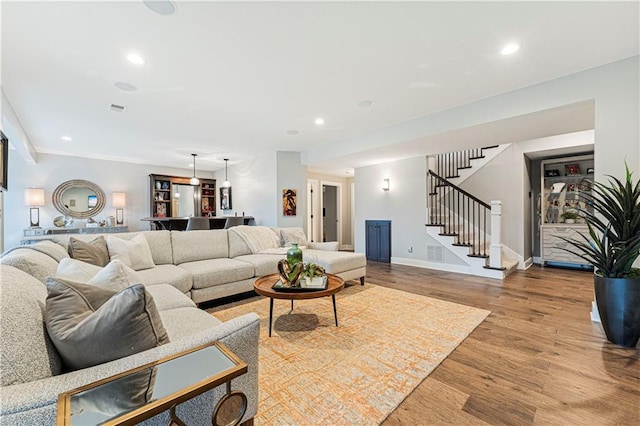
pixel 311 270
pixel 613 243
pixel 570 215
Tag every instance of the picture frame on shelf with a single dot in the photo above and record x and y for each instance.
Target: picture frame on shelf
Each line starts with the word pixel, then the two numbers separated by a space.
pixel 584 185
pixel 571 169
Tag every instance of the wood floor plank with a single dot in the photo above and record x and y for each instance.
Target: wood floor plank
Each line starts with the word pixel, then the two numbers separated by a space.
pixel 536 360
pixel 435 393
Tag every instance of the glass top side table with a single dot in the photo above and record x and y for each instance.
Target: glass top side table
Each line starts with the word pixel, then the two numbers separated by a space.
pixel 143 392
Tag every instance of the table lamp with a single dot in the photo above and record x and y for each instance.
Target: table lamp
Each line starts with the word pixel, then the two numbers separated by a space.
pixel 118 199
pixel 34 198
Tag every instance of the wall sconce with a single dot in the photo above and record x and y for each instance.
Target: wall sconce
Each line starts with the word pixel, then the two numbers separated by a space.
pixel 385 184
pixel 119 200
pixel 34 198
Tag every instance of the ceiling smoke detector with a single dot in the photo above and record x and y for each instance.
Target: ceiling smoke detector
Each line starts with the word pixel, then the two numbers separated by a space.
pixel 127 87
pixel 116 108
pixel 161 7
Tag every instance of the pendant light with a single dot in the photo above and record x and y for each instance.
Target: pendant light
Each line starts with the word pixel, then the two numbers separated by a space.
pixel 194 180
pixel 226 183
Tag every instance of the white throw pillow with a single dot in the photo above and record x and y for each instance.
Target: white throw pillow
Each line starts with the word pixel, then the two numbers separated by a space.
pixel 135 253
pixel 115 276
pixel 76 270
pixel 293 235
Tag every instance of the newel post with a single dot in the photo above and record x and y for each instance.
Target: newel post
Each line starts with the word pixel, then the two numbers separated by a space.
pixel 495 251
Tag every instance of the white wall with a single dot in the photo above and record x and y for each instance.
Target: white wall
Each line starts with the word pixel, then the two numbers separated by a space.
pixel 52 170
pixel 292 175
pixel 404 204
pixel 253 185
pixel 503 179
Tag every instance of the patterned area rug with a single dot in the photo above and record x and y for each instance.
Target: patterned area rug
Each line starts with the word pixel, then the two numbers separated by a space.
pixel 387 342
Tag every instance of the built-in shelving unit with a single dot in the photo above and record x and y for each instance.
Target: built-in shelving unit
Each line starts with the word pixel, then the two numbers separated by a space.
pixel 168 192
pixel 566 187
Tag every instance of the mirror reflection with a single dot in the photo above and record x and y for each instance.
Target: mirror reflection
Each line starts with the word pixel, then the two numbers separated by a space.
pixel 183 200
pixel 79 199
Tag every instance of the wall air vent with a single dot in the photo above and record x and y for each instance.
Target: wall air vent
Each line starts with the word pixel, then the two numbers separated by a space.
pixel 435 253
pixel 116 108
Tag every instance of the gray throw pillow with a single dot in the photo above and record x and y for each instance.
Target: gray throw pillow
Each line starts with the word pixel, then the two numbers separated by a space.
pixel 94 252
pixel 90 325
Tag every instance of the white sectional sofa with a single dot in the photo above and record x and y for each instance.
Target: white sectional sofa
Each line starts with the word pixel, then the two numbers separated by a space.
pixel 208 265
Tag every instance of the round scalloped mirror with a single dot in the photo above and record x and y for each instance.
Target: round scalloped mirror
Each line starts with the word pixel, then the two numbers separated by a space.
pixel 78 198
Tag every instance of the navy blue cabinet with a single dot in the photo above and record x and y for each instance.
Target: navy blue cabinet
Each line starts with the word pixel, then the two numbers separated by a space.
pixel 378 240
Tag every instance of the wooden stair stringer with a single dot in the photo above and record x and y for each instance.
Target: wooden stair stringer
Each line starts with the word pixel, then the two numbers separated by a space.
pixel 478 163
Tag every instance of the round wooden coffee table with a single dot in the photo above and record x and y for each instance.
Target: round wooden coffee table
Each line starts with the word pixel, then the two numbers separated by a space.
pixel 263 285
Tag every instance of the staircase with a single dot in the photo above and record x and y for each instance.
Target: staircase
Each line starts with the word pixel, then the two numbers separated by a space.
pixel 462 222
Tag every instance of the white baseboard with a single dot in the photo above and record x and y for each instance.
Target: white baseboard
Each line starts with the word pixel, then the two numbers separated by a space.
pixel 528 263
pixel 346 247
pixel 595 314
pixel 460 269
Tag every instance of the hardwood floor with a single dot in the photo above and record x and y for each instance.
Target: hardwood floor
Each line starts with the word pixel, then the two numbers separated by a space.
pixel 537 359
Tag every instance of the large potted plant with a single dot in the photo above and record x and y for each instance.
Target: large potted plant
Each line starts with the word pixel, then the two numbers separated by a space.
pixel 612 246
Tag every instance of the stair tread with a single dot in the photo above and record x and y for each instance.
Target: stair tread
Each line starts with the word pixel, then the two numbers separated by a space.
pixel 482 256
pixel 503 268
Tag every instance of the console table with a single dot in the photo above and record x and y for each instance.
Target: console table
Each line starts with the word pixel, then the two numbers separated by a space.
pixel 33 235
pixel 215 222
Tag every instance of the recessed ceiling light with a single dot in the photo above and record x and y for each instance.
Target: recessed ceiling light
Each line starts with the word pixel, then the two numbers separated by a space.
pixel 510 48
pixel 125 86
pixel 319 121
pixel 134 58
pixel 66 138
pixel 292 132
pixel 161 7
pixel 366 103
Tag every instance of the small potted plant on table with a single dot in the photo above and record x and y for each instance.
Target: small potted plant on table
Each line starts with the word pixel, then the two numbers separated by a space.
pixel 570 216
pixel 314 275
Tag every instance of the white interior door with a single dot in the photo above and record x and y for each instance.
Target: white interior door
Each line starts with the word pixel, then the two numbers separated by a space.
pixel 330 219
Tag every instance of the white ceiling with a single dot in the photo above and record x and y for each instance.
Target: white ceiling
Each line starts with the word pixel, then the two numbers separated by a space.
pixel 228 80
